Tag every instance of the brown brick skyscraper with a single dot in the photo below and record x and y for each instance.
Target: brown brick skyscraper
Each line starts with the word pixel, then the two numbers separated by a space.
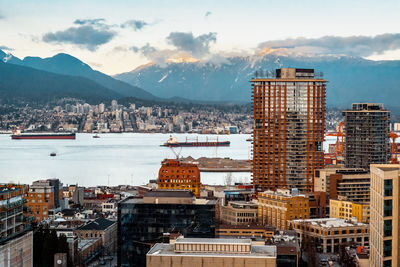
pixel 288 130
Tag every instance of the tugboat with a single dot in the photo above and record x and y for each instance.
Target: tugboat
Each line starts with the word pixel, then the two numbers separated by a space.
pixel 96 136
pixel 173 142
pixel 53 154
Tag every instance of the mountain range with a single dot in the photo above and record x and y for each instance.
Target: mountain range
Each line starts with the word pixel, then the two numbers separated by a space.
pixel 75 79
pixel 350 79
pixel 20 82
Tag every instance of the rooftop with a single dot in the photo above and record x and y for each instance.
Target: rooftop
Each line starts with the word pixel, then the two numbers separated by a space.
pixel 138 200
pixel 169 193
pixel 262 251
pixel 98 224
pixel 246 226
pixel 330 222
pixel 212 241
pixel 85 243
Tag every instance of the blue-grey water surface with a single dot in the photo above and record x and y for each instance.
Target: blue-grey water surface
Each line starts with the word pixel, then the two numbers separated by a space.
pixel 127 158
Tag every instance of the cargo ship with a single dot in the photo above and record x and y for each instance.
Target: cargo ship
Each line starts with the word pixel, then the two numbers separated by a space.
pixel 173 142
pixel 17 135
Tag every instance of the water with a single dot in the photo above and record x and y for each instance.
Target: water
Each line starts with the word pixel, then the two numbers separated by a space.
pixel 114 159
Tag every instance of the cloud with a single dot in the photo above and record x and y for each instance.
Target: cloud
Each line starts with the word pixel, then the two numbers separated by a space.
pixel 136 25
pixel 157 56
pixel 197 46
pixel 90 34
pixel 6 48
pixel 186 48
pixel 208 13
pixel 361 46
pixel 96 22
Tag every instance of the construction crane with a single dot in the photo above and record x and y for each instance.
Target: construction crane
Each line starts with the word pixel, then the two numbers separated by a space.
pixel 339 138
pixel 393 148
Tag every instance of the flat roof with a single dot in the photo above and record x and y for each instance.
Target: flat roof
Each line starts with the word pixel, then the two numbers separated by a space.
pixel 330 222
pixel 212 241
pixel 263 251
pixel 132 200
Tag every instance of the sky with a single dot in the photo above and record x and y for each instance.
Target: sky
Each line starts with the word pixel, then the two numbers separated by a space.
pixel 119 36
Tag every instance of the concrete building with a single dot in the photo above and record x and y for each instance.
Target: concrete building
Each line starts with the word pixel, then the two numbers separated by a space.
pixel 350 183
pixel 344 209
pixel 239 212
pixel 288 112
pixel 276 208
pixel 199 252
pixel 329 233
pixel 175 174
pixel 367 127
pixel 44 198
pixel 142 222
pixel 245 231
pixel 384 222
pixel 103 228
pixel 16 239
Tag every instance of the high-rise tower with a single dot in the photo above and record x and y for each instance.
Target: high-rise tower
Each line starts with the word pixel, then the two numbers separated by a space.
pixel 367 135
pixel 384 222
pixel 288 130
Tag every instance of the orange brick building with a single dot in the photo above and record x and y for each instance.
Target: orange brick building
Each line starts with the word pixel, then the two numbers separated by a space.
pixel 175 174
pixel 44 198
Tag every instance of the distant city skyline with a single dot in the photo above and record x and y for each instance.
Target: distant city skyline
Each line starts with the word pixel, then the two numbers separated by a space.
pixel 120 36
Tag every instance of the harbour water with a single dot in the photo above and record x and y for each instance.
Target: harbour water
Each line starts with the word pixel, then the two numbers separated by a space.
pixel 114 159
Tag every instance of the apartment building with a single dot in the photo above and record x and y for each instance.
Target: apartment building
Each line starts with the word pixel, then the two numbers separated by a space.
pixel 384 222
pixel 276 208
pixel 16 239
pixel 239 212
pixel 367 127
pixel 344 209
pixel 327 234
pixel 44 198
pixel 288 112
pixel 175 174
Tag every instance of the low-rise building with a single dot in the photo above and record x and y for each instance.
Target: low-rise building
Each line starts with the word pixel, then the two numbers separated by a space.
pixel 239 212
pixel 100 228
pixel 175 174
pixel 276 208
pixel 214 252
pixel 244 231
pixel 44 198
pixel 344 209
pixel 88 249
pixel 329 233
pixel 109 206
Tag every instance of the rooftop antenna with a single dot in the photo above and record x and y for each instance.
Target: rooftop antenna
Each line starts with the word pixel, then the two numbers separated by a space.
pixel 108 182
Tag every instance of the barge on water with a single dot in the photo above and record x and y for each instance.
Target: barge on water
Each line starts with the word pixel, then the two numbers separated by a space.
pixel 55 136
pixel 173 142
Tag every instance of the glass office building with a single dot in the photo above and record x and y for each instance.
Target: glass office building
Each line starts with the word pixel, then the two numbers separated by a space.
pixel 143 222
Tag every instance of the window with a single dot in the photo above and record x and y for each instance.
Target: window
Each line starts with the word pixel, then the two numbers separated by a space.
pixel 387 208
pixel 387 228
pixel 387 248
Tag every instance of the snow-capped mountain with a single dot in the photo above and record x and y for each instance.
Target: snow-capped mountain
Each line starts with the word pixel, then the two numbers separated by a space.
pixel 350 79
